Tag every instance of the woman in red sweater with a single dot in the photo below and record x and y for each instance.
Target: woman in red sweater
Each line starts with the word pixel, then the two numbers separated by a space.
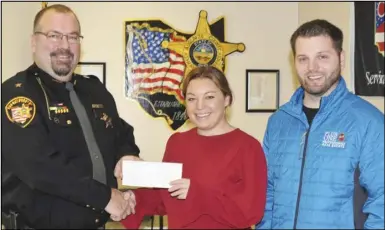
pixel 224 169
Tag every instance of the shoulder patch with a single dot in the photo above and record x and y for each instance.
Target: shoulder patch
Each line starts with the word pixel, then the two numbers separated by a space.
pixel 21 111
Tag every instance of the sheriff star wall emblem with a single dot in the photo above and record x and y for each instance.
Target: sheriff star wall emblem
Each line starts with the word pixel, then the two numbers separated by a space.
pixel 203 48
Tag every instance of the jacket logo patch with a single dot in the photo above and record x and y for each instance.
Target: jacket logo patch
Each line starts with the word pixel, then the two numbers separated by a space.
pixel 21 111
pixel 334 140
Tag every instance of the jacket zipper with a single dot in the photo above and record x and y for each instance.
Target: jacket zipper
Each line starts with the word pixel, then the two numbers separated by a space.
pixel 300 178
pixel 302 165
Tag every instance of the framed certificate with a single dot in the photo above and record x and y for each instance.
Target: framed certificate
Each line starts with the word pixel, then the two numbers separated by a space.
pixel 97 69
pixel 262 90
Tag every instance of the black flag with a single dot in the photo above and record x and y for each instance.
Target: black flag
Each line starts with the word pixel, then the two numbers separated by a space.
pixel 369 48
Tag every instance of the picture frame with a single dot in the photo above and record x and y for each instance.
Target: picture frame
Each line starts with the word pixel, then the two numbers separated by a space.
pixel 262 90
pixel 92 68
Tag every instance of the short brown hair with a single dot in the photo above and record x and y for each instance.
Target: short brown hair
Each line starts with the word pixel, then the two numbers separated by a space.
pixel 212 74
pixel 318 27
pixel 59 8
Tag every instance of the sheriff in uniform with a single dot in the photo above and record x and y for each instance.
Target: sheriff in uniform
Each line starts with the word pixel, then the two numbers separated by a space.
pixel 47 167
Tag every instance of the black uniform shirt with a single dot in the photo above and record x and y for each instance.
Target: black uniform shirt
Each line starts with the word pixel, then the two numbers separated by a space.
pixel 46 165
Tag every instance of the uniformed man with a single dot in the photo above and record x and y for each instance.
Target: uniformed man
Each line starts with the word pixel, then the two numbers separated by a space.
pixel 57 172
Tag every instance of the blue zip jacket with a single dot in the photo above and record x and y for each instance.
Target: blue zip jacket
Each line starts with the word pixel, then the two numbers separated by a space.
pixel 311 170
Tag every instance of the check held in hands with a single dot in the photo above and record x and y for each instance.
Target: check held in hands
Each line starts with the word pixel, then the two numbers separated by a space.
pixel 123 204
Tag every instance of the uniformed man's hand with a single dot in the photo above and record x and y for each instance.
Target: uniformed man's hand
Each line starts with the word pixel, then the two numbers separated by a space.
pixel 118 168
pixel 118 207
pixel 130 196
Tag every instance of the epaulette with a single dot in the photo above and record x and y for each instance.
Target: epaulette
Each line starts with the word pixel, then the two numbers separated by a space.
pixel 91 77
pixel 16 81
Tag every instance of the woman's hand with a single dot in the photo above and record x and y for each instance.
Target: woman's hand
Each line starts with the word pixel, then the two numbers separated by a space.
pixel 179 188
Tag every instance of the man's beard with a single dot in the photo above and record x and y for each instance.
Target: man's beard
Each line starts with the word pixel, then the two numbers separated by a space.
pixel 61 67
pixel 328 82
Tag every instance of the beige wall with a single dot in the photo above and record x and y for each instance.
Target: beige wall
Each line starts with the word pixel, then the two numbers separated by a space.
pixel 258 25
pixel 17 25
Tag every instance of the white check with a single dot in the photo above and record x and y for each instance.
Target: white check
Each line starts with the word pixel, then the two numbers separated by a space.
pixel 150 174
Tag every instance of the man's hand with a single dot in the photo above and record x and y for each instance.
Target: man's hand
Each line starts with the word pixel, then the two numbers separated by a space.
pixel 179 188
pixel 118 207
pixel 118 168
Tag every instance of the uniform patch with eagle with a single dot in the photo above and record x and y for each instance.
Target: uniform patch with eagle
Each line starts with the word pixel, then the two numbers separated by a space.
pixel 21 111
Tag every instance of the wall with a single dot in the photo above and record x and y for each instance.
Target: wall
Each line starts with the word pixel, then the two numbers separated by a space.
pixel 259 25
pixel 17 25
pixel 102 26
pixel 340 14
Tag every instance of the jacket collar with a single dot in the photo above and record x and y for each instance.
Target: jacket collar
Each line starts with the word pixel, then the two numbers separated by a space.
pixel 47 79
pixel 327 105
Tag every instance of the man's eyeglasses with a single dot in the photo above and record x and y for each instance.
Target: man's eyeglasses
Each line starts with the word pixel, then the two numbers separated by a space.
pixel 56 37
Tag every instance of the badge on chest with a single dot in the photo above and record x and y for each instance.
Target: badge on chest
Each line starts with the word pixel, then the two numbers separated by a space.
pixel 101 114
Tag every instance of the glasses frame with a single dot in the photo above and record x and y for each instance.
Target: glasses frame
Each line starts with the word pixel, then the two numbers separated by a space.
pixel 61 36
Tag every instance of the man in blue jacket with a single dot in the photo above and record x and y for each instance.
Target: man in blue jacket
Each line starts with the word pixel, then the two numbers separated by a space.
pixel 325 147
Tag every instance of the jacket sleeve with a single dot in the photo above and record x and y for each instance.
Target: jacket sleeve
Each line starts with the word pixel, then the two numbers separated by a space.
pixel 239 205
pixel 148 203
pixel 372 173
pixel 126 140
pixel 33 159
pixel 267 218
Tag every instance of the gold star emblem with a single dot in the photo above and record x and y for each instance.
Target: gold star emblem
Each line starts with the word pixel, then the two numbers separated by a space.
pixel 18 85
pixel 203 48
pixel 25 111
pixel 107 120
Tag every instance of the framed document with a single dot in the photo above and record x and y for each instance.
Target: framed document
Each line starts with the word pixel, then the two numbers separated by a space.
pixel 262 90
pixel 92 68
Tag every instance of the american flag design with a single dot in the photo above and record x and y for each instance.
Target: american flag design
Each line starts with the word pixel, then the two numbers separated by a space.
pixel 18 115
pixel 379 35
pixel 150 68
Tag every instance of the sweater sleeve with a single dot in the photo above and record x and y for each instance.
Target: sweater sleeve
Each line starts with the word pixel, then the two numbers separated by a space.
pixel 268 214
pixel 148 203
pixel 237 205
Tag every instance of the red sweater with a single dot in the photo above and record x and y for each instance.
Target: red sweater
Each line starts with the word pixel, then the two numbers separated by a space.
pixel 228 179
